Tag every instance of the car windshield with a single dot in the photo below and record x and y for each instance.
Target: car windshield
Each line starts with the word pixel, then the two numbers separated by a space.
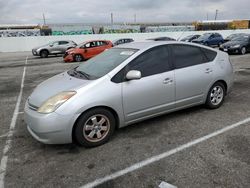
pixel 188 37
pixel 205 36
pixel 51 43
pixel 235 36
pixel 242 38
pixel 81 44
pixel 103 63
pixel 232 36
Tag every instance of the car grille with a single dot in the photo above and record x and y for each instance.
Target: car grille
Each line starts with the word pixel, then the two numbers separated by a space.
pixel 66 53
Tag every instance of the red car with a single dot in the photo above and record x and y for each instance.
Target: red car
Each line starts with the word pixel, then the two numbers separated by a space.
pixel 86 50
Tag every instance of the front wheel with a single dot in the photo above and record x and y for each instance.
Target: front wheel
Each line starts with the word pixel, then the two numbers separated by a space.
pixel 216 95
pixel 243 50
pixel 78 58
pixel 94 128
pixel 44 53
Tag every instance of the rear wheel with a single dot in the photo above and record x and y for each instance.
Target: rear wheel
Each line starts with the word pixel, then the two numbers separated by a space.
pixel 78 58
pixel 243 50
pixel 216 95
pixel 44 53
pixel 94 128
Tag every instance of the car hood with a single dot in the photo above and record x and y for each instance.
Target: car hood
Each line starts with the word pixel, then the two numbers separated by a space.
pixel 53 86
pixel 38 47
pixel 233 43
pixel 198 40
pixel 74 50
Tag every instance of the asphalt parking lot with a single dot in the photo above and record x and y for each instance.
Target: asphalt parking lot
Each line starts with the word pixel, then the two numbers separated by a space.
pixel 220 161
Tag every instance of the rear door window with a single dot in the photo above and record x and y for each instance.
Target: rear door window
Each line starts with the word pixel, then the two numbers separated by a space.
pixel 102 43
pixel 186 55
pixel 63 42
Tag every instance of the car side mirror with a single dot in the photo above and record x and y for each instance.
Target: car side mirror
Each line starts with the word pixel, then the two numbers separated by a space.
pixel 133 75
pixel 51 45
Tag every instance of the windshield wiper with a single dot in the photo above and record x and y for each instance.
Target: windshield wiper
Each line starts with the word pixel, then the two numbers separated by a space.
pixel 83 73
pixel 75 73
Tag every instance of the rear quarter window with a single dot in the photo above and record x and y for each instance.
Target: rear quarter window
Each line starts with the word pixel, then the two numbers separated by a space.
pixel 63 42
pixel 210 55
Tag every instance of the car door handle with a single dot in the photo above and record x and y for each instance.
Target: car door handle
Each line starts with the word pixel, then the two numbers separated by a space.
pixel 168 81
pixel 208 70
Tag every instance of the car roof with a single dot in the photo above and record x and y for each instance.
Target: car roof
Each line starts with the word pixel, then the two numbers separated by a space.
pixel 163 37
pixel 95 41
pixel 150 44
pixel 123 38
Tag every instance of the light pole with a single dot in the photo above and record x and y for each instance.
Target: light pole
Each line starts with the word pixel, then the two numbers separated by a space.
pixel 216 14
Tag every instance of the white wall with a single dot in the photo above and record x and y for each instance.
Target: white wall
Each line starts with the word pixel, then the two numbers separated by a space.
pixel 19 44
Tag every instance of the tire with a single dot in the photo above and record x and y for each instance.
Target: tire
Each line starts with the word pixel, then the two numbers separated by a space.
pixel 243 50
pixel 216 96
pixel 78 58
pixel 220 43
pixel 44 54
pixel 95 123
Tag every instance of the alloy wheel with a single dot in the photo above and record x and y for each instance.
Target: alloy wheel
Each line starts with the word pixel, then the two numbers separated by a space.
pixel 216 95
pixel 243 50
pixel 96 128
pixel 78 58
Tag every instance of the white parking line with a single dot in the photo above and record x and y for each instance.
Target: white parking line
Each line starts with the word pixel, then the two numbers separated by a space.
pixel 166 154
pixel 4 135
pixel 7 146
pixel 20 113
pixel 166 185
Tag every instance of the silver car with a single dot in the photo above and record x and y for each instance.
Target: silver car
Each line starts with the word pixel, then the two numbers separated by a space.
pixel 123 85
pixel 53 48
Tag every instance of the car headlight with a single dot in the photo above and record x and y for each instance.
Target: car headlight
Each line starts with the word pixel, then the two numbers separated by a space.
pixel 54 102
pixel 236 46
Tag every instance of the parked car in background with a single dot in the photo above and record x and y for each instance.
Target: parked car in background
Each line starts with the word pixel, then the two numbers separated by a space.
pixel 122 41
pixel 190 38
pixel 124 85
pixel 53 48
pixel 210 39
pixel 239 45
pixel 86 50
pixel 162 39
pixel 235 35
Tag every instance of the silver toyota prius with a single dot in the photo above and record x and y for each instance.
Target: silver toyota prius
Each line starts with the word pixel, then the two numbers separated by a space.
pixel 123 85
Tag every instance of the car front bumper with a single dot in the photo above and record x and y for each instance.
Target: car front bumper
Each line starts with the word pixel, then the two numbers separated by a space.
pixel 230 50
pixel 50 128
pixel 35 53
pixel 68 58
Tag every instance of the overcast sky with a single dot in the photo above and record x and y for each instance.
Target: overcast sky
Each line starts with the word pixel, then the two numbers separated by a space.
pixel 98 11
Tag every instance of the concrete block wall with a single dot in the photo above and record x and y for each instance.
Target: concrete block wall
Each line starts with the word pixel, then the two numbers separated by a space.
pixel 20 44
